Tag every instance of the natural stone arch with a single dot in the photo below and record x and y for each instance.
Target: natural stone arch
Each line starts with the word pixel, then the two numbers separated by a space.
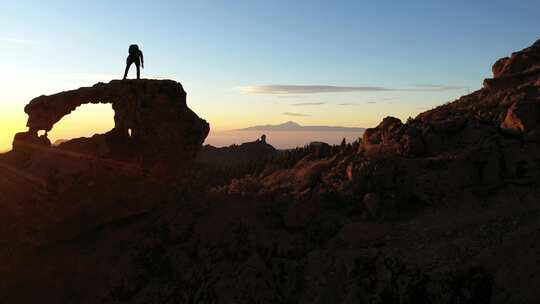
pixel 85 121
pixel 126 97
pixel 163 129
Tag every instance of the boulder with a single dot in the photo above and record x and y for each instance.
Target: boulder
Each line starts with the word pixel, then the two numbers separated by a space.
pixel 521 117
pixel 383 139
pixel 519 61
pixel 29 141
pixel 498 66
pixel 512 71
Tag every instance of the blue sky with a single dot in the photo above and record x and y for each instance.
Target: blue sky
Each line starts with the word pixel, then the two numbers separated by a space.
pixel 230 54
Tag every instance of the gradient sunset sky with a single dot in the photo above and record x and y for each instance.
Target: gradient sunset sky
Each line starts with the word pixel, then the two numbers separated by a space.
pixel 243 63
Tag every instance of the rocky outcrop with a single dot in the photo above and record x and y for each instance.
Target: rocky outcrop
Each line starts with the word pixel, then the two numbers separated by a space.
pixel 521 67
pixel 522 117
pixel 520 62
pixel 235 155
pixel 472 143
pixel 391 137
pixel 153 126
pixel 509 102
pixel 383 139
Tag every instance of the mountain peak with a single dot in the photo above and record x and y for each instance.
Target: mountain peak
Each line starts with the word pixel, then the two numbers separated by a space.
pixel 293 126
pixel 290 124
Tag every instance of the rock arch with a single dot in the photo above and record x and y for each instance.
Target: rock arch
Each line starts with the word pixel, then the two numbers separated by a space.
pixel 86 120
pixel 154 112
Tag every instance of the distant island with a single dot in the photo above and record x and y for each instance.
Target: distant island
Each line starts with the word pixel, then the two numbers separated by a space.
pixel 293 126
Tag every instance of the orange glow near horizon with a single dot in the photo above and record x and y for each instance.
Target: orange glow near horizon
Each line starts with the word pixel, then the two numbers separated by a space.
pixel 90 119
pixel 85 121
pixel 6 136
pixel 8 127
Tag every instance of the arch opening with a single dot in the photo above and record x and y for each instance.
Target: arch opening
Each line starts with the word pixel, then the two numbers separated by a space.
pixel 85 121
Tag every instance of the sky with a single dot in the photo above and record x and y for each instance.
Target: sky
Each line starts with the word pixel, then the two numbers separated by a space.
pixel 244 63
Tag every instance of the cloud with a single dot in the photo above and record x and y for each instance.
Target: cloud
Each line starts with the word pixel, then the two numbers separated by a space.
pixel 436 87
pixel 19 41
pixel 347 104
pixel 379 100
pixel 307 89
pixel 85 76
pixel 308 104
pixel 354 104
pixel 95 77
pixel 293 91
pixel 296 114
pixel 161 77
pixel 290 96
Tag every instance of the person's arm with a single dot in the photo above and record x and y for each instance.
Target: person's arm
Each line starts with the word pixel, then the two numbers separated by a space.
pixel 142 60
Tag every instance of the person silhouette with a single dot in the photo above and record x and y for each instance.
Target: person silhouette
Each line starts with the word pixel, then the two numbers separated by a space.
pixel 135 56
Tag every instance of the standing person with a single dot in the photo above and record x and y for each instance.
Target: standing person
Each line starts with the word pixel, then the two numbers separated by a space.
pixel 135 56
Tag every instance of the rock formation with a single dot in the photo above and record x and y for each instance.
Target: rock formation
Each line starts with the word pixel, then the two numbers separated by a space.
pixel 153 125
pixel 234 155
pixel 510 101
pixel 481 142
pixel 442 208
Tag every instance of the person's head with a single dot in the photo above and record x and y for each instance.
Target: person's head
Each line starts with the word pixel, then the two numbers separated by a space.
pixel 133 49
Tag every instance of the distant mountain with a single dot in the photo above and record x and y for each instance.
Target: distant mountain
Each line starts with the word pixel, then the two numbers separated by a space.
pixel 293 126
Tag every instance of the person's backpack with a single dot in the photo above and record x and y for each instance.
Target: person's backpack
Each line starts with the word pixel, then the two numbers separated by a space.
pixel 134 49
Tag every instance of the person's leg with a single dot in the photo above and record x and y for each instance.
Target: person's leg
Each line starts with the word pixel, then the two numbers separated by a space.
pixel 138 65
pixel 128 64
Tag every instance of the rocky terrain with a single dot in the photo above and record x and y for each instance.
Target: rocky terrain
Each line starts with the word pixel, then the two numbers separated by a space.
pixel 442 208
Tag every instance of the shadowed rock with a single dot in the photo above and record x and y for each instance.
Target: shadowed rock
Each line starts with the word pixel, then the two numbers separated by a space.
pixel 511 71
pixel 235 155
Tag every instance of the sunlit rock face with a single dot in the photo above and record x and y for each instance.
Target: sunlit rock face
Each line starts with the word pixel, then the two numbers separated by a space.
pixel 152 124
